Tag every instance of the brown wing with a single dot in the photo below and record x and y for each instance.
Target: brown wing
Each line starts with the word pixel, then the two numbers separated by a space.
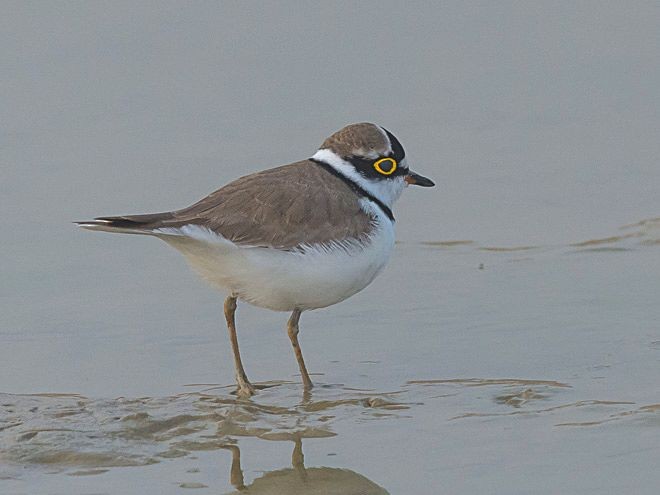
pixel 284 207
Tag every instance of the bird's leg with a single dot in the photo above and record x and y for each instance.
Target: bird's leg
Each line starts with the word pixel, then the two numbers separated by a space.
pixel 236 473
pixel 245 388
pixel 292 328
pixel 297 457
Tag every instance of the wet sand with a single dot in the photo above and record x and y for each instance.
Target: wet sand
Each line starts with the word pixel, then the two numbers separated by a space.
pixel 511 346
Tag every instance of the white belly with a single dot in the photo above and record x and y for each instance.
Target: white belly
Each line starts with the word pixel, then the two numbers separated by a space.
pixel 285 280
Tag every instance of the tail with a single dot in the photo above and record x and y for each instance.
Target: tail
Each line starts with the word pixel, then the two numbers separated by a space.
pixel 129 224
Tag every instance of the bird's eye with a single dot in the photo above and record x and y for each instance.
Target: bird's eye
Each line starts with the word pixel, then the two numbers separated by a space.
pixel 385 166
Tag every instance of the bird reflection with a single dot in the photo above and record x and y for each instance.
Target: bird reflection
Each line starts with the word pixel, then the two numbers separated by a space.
pixel 299 480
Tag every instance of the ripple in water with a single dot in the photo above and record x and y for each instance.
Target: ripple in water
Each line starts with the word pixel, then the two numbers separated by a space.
pixel 81 436
pixel 73 431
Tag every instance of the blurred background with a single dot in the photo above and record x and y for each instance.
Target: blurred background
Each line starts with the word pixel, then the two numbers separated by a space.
pixel 538 121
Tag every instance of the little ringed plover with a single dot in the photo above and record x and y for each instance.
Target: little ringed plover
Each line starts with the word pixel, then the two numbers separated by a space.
pixel 293 238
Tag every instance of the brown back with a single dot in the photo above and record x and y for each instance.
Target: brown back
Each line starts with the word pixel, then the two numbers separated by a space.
pixel 283 207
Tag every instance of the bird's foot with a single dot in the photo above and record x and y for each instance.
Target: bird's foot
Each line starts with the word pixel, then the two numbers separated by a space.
pixel 245 389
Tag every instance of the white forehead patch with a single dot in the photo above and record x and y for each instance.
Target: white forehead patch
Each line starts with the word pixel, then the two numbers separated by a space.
pixel 370 154
pixel 387 139
pixel 373 154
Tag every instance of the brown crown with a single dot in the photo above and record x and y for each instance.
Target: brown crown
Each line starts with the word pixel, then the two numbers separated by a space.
pixel 357 140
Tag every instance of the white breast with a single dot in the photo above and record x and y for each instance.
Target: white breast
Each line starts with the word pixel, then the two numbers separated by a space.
pixel 315 277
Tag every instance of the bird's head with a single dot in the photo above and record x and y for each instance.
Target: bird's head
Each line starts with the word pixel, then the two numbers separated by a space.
pixel 372 157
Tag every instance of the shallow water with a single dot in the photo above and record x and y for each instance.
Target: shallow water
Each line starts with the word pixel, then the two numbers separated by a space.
pixel 512 345
pixel 502 378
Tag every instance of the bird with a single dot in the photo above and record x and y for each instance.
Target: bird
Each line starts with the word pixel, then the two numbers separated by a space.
pixel 299 479
pixel 293 238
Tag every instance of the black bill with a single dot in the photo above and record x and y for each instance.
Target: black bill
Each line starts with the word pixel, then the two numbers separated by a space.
pixel 419 180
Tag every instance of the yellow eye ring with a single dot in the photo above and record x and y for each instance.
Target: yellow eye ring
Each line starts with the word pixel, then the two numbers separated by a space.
pixel 381 170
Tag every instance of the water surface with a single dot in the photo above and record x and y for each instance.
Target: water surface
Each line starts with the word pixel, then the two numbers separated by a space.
pixel 512 345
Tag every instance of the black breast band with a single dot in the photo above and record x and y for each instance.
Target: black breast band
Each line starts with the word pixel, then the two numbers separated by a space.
pixel 357 188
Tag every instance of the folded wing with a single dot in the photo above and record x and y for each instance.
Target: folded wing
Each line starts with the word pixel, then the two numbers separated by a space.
pixel 283 208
